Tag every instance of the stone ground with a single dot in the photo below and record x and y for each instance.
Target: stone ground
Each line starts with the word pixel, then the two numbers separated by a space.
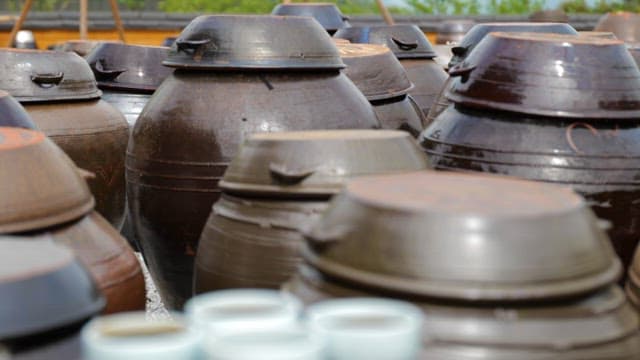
pixel 155 307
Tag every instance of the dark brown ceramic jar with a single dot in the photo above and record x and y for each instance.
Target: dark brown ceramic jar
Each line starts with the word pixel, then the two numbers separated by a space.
pixel 13 114
pixel 409 44
pixel 451 32
pixel 59 92
pixel 474 36
pixel 625 25
pixel 252 237
pixel 632 287
pixel 327 14
pixel 45 297
pixel 384 82
pixel 230 83
pixel 44 195
pixel 566 117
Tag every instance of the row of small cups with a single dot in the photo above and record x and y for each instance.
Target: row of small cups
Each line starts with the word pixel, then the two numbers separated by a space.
pixel 261 324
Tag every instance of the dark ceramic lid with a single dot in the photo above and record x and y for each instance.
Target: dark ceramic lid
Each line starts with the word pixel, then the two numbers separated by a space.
pixel 549 75
pixel 327 14
pixel 625 25
pixel 452 31
pixel 375 71
pixel 478 32
pixel 405 41
pixel 129 67
pixel 43 287
pixel 12 114
pixel 37 75
pixel 254 42
pixel 45 188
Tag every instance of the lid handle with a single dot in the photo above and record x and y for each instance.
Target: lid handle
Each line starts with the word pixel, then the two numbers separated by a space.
pixel 406 46
pixel 458 50
pixel 190 45
pixel 461 70
pixel 327 236
pixel 102 73
pixel 47 80
pixel 285 176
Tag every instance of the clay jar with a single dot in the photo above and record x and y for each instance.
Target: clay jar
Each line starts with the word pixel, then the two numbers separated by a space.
pixel 13 114
pixel 538 125
pixel 44 195
pixel 252 236
pixel 383 81
pixel 236 76
pixel 625 25
pixel 409 44
pixel 59 92
pixel 327 14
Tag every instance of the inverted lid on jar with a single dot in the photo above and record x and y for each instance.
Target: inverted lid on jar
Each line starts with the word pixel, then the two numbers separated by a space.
pixel 479 31
pixel 43 287
pixel 12 114
pixel 318 163
pixel 38 75
pixel 43 186
pixel 549 75
pixel 375 71
pixel 452 31
pixel 254 42
pixel 327 14
pixel 465 237
pixel 405 41
pixel 625 25
pixel 129 67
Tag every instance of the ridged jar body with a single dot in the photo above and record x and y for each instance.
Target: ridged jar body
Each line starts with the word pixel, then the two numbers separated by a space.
pixel 94 134
pixel 600 159
pixel 130 104
pixel 188 133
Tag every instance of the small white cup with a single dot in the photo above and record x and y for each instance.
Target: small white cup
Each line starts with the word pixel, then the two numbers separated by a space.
pixel 243 310
pixel 367 328
pixel 131 336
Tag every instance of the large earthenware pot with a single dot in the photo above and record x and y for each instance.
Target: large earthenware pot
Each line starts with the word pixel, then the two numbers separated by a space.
pixel 414 51
pixel 83 47
pixel 474 36
pixel 45 195
pixel 384 82
pixel 446 235
pixel 195 122
pixel 327 14
pixel 632 286
pixel 601 326
pixel 452 31
pixel 254 240
pixel 625 25
pixel 45 296
pixel 13 114
pixel 59 92
pixel 588 142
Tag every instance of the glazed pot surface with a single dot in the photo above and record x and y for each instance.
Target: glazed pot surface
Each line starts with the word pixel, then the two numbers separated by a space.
pixel 428 77
pixel 188 133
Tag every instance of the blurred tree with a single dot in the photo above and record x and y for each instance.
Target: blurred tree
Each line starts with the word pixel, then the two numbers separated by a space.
pixel 599 7
pixel 445 7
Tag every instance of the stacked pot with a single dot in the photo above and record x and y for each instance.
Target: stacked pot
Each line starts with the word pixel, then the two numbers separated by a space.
pixel 625 25
pixel 59 92
pixel 502 268
pixel 279 184
pixel 554 108
pixel 43 194
pixel 383 81
pixel 46 296
pixel 471 40
pixel 409 44
pixel 235 75
pixel 327 14
pixel 128 75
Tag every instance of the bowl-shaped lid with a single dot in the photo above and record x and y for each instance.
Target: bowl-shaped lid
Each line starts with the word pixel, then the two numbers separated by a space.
pixel 467 237
pixel 318 163
pixel 405 41
pixel 375 71
pixel 452 31
pixel 38 75
pixel 478 32
pixel 590 324
pixel 12 114
pixel 39 185
pixel 42 288
pixel 549 75
pixel 254 42
pixel 129 67
pixel 625 25
pixel 327 14
pixel 555 15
